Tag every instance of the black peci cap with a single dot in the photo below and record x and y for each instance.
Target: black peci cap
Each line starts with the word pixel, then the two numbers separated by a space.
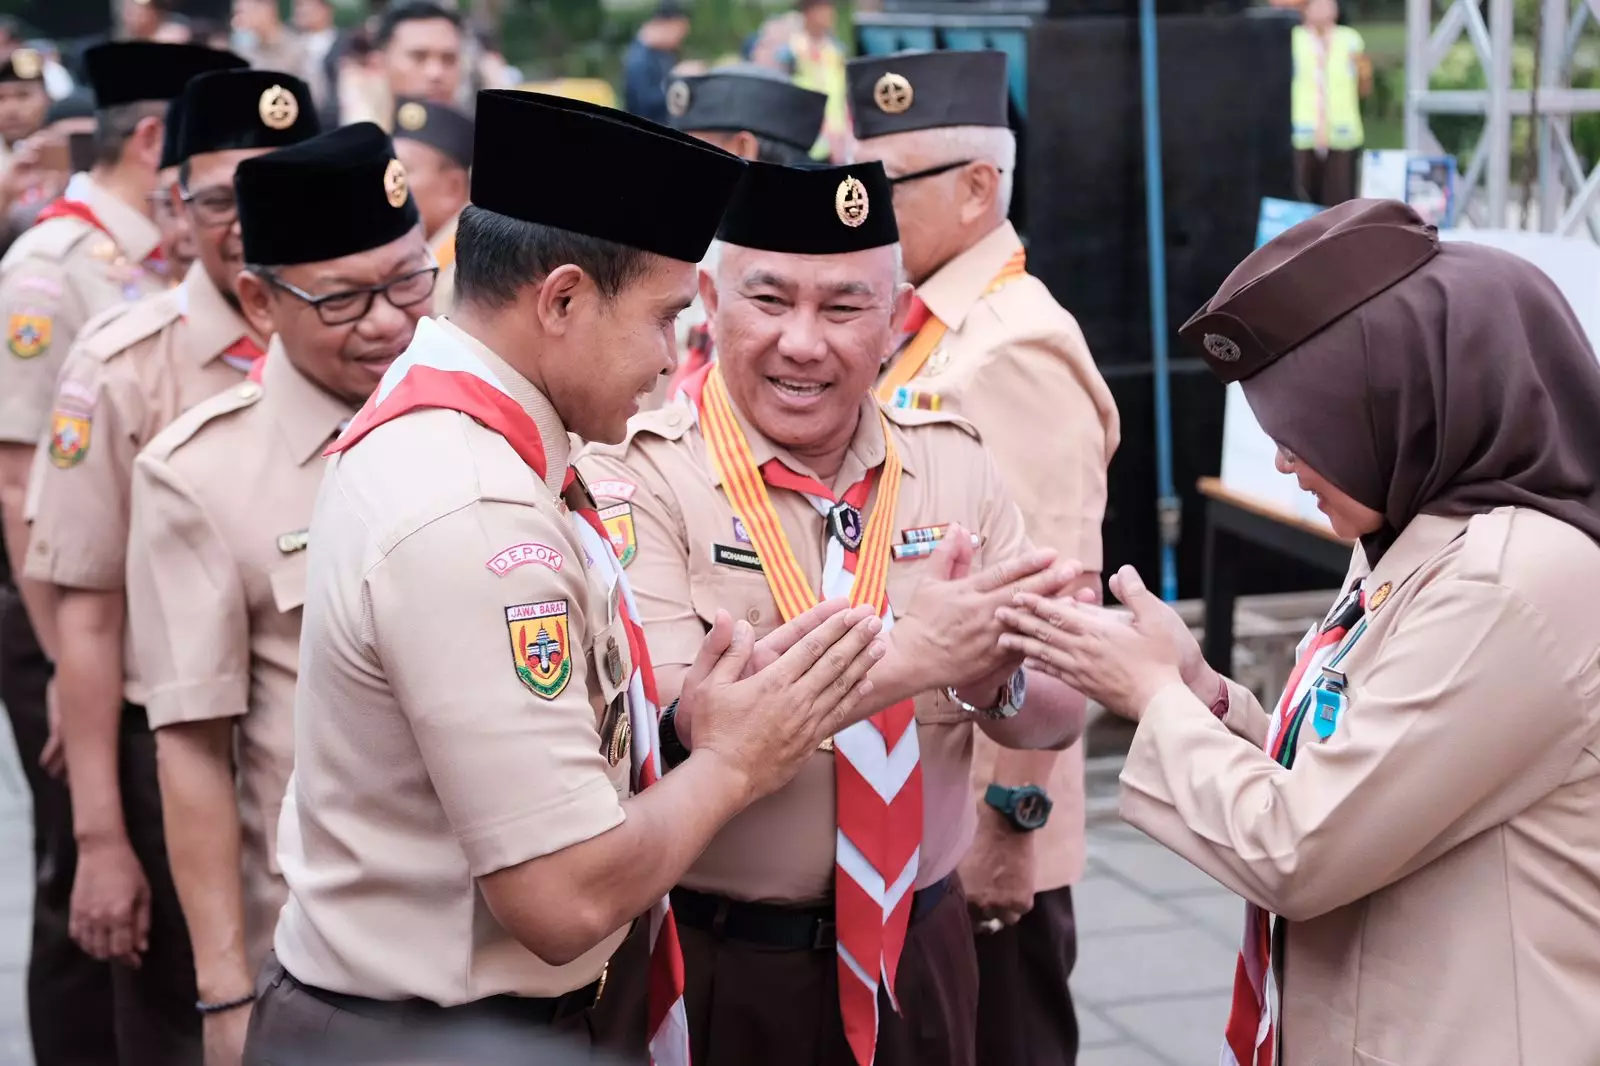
pixel 334 195
pixel 229 109
pixel 170 134
pixel 436 125
pixel 23 64
pixel 618 178
pixel 811 210
pixel 730 101
pixel 926 90
pixel 125 72
pixel 79 103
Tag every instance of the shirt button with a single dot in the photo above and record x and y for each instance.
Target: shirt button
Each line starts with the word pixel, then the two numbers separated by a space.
pixel 753 616
pixel 41 546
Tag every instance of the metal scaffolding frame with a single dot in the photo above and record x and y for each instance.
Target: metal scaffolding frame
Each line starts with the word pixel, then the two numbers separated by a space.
pixel 1567 197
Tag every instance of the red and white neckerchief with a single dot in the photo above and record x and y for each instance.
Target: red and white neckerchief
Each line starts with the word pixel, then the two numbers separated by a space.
pixel 1250 1038
pixel 244 354
pixel 438 372
pixel 877 765
pixel 67 205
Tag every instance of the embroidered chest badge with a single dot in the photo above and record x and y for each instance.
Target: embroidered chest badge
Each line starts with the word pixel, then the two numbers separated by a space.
pixel 541 646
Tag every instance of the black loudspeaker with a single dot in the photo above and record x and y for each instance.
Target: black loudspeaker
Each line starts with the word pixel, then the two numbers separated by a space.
pixel 1225 144
pixel 1079 8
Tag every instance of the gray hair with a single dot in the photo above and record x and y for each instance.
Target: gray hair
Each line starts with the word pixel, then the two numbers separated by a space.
pixel 990 144
pixel 712 263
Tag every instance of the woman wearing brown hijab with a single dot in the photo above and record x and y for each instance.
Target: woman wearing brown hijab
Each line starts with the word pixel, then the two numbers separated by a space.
pixel 1416 822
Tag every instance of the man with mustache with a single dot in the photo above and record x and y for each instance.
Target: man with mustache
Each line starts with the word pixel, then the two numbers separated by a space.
pixel 124 382
pixel 217 549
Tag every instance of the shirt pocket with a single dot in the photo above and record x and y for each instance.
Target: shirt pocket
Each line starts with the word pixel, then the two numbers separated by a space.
pixel 288 581
pixel 744 594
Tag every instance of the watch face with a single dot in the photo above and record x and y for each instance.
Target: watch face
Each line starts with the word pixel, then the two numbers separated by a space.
pixel 1018 688
pixel 1031 809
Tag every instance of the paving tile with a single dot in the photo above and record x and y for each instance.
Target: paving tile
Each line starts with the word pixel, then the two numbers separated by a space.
pixel 1150 866
pixel 1105 904
pixel 1151 964
pixel 1222 914
pixel 1185 1030
pixel 1093 1029
pixel 1119 1055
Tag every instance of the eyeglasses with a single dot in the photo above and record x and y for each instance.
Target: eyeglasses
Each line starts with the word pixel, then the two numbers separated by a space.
pixel 931 172
pixel 343 308
pixel 213 207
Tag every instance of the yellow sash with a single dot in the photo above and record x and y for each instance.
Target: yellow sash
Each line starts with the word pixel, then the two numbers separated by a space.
pixel 915 354
pixel 747 492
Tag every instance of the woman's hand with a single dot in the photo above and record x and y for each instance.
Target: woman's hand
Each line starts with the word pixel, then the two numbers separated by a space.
pixel 1119 661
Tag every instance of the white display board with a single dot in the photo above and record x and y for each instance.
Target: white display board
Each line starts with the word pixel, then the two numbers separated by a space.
pixel 1247 452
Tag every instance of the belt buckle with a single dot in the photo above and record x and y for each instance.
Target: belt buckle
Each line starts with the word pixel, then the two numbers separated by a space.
pixel 825 936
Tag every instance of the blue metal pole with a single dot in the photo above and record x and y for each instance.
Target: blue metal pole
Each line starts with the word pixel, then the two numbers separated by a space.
pixel 1168 507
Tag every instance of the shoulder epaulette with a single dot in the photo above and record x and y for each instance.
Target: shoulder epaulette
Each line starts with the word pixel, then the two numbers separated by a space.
pixel 668 422
pixel 923 416
pixel 193 421
pixel 119 329
pixel 52 239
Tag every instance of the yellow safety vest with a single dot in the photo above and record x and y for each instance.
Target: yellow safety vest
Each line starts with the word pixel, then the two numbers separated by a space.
pixel 1333 82
pixel 820 68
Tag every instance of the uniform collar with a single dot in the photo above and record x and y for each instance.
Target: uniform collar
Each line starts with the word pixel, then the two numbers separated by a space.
pixel 866 451
pixel 308 415
pixel 957 286
pixel 1420 541
pixel 214 326
pixel 134 234
pixel 552 432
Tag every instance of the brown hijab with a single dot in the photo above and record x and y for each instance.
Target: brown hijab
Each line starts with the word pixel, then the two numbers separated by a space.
pixel 1443 379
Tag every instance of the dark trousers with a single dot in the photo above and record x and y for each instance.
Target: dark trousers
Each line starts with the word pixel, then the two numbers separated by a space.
pixel 1025 1013
pixel 296 1026
pixel 69 994
pixel 155 1016
pixel 749 1004
pixel 1328 179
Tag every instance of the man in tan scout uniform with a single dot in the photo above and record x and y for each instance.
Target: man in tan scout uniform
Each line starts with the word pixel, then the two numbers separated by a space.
pixel 434 143
pixel 458 837
pixel 124 382
pixel 217 547
pixel 775 480
pixel 987 341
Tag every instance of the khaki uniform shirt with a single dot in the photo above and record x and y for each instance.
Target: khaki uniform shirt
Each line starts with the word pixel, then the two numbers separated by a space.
pixel 53 280
pixel 423 759
pixel 1437 858
pixel 1015 364
pixel 216 579
pixel 443 247
pixel 782 847
pixel 121 386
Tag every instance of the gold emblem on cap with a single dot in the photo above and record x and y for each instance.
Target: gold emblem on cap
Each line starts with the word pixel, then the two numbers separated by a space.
pixel 678 99
pixel 395 183
pixel 1221 348
pixel 278 108
pixel 851 202
pixel 412 116
pixel 1381 595
pixel 893 93
pixel 26 63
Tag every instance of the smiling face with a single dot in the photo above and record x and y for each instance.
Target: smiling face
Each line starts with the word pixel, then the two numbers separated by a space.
pixel 212 214
pixel 800 338
pixel 1349 519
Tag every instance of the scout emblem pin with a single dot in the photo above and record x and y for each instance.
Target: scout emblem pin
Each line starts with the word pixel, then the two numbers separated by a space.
pixel 412 116
pixel 278 108
pixel 613 661
pixel 1380 596
pixel 892 94
pixel 678 99
pixel 844 522
pixel 850 201
pixel 394 183
pixel 1221 348
pixel 618 731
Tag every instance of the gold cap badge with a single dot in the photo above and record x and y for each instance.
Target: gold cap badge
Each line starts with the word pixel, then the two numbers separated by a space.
pixel 278 108
pixel 395 184
pixel 1380 596
pixel 26 63
pixel 1221 348
pixel 412 116
pixel 678 99
pixel 892 94
pixel 850 201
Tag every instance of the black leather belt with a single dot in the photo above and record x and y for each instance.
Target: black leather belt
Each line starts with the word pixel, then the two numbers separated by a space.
pixel 512 1009
pixel 808 928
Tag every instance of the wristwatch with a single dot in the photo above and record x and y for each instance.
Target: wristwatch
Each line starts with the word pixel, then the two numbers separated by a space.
pixel 1007 702
pixel 673 753
pixel 1027 806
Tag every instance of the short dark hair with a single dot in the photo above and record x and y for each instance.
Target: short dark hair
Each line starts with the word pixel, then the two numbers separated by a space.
pixel 412 11
pixel 787 155
pixel 114 125
pixel 497 255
